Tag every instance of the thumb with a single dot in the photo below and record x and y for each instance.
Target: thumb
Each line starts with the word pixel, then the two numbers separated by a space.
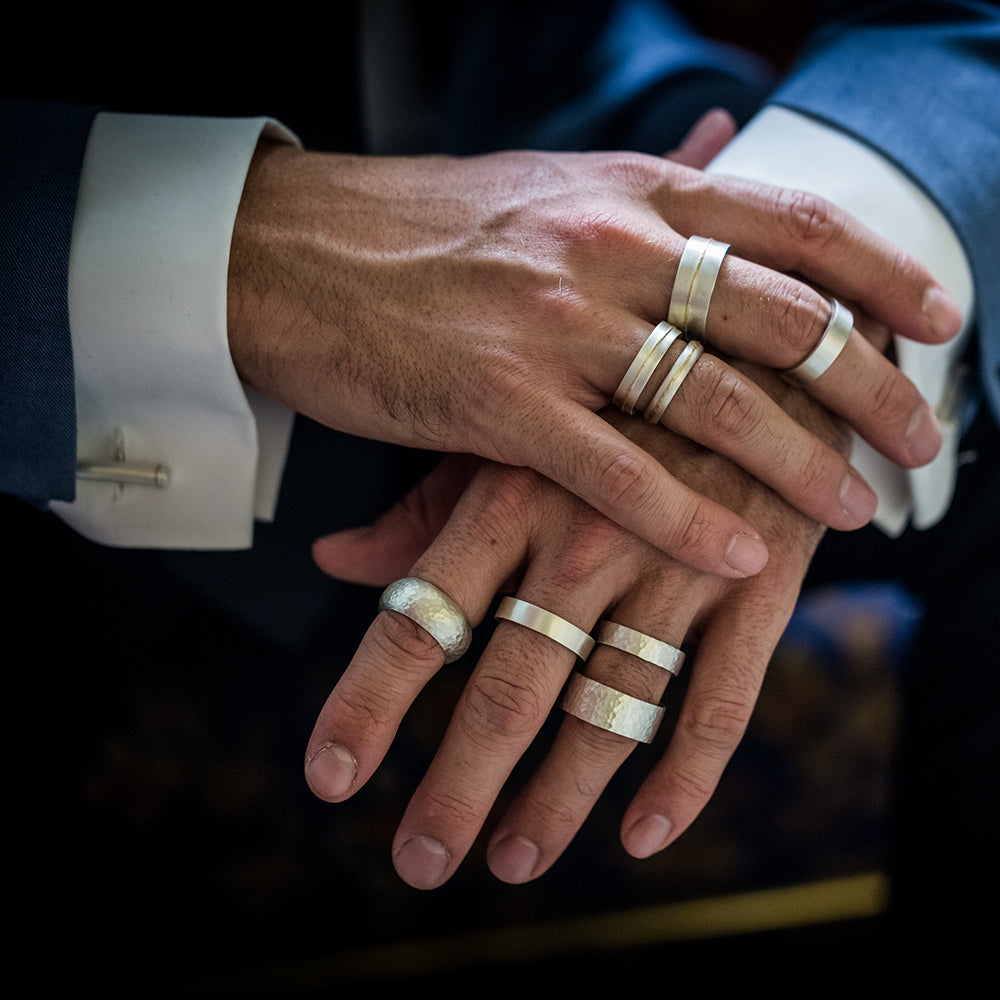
pixel 706 139
pixel 378 553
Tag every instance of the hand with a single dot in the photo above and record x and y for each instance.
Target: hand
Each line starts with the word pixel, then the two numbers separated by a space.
pixel 513 526
pixel 490 306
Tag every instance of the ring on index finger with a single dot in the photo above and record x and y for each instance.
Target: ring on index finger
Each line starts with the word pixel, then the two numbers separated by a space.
pixel 433 610
pixel 694 283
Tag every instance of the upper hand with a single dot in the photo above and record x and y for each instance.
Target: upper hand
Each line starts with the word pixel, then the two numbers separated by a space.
pixel 491 305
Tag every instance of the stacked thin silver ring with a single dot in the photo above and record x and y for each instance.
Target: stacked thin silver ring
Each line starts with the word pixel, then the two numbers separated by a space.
pixel 690 297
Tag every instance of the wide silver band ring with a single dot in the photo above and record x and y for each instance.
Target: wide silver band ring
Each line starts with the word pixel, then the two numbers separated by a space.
pixel 835 336
pixel 643 365
pixel 657 406
pixel 645 647
pixel 433 610
pixel 694 284
pixel 611 710
pixel 545 622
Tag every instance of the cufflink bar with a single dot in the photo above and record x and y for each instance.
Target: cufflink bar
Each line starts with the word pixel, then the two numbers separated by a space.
pixel 124 473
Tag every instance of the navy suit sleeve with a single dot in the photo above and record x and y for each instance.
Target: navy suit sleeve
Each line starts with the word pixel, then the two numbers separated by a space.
pixel 41 156
pixel 921 83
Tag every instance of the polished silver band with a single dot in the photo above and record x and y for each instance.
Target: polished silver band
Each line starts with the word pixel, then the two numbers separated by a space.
pixel 545 622
pixel 672 381
pixel 694 284
pixel 432 610
pixel 611 710
pixel 835 336
pixel 643 365
pixel 629 640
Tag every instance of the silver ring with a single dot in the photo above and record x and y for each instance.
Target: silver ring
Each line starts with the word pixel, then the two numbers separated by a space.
pixel 628 640
pixel 545 622
pixel 694 283
pixel 672 382
pixel 835 336
pixel 611 710
pixel 433 610
pixel 641 370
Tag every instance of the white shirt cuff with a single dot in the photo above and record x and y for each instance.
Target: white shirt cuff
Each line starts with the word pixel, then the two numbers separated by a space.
pixel 786 149
pixel 156 387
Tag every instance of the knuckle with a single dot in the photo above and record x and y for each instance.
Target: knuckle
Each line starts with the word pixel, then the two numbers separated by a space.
pixel 449 810
pixel 715 724
pixel 697 530
pixel 405 645
pixel 501 710
pixel 807 218
pixel 734 406
pixel 626 482
pixel 363 709
pixel 801 318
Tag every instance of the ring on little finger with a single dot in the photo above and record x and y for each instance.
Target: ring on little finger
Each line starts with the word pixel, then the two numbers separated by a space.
pixel 833 341
pixel 431 609
pixel 636 643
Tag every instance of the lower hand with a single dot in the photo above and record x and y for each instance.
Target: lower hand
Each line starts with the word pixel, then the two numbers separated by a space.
pixel 513 527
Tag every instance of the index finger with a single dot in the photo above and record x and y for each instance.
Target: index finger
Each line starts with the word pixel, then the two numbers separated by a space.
pixel 797 232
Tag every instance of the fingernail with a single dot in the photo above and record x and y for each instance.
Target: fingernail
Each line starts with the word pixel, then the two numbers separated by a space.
pixel 513 859
pixel 941 313
pixel 331 772
pixel 648 835
pixel 746 555
pixel 857 499
pixel 421 862
pixel 923 436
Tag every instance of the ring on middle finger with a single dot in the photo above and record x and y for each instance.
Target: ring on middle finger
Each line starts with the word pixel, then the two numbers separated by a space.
pixel 546 623
pixel 694 283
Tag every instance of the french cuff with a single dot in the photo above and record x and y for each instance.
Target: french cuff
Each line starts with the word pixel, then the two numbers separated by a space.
pixel 172 450
pixel 784 148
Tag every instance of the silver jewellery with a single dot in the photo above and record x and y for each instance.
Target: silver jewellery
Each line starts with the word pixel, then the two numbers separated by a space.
pixel 672 382
pixel 694 283
pixel 611 710
pixel 628 640
pixel 641 370
pixel 545 622
pixel 433 611
pixel 835 336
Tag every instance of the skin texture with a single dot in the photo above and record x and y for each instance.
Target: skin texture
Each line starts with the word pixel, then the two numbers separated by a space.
pixel 490 305
pixel 512 530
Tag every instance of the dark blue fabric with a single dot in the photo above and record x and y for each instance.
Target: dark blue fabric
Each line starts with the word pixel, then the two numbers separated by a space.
pixel 921 83
pixel 41 153
pixel 588 75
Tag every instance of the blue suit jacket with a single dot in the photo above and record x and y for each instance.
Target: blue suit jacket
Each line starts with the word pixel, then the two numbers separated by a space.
pixel 919 81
